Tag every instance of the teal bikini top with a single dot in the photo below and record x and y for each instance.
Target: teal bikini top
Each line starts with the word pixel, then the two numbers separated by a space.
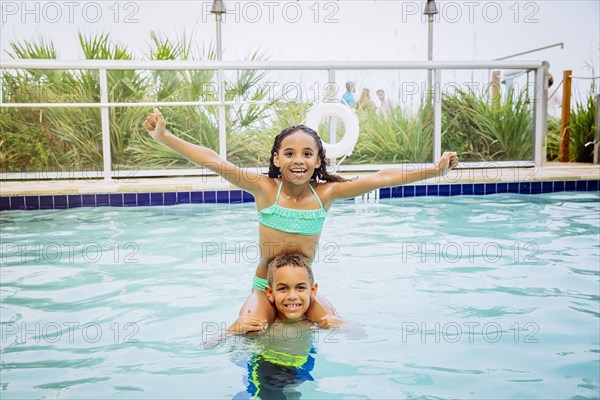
pixel 302 222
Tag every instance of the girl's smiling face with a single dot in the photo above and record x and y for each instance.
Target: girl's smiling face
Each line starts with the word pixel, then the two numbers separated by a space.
pixel 292 292
pixel 298 157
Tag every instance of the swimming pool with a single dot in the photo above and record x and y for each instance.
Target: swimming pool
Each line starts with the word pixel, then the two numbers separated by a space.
pixel 457 297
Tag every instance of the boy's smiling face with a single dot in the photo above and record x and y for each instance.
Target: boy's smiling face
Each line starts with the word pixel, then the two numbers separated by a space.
pixel 292 292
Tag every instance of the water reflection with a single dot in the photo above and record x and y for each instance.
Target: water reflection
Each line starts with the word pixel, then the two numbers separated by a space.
pixel 278 361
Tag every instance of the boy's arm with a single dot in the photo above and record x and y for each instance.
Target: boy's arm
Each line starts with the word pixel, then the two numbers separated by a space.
pixel 392 177
pixel 245 179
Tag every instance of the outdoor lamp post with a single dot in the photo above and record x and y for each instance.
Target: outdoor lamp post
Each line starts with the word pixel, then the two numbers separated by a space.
pixel 430 11
pixel 218 8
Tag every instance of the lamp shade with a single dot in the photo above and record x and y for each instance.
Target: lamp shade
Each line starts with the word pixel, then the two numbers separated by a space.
pixel 218 7
pixel 430 8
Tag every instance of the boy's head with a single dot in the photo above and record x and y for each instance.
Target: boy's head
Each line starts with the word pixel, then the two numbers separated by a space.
pixel 291 285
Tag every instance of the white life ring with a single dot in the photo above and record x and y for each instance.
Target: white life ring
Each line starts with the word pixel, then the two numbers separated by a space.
pixel 348 118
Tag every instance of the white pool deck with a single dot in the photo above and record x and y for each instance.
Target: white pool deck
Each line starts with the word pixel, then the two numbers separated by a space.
pixel 549 172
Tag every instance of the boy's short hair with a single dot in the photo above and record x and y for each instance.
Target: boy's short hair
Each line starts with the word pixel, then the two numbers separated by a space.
pixel 294 259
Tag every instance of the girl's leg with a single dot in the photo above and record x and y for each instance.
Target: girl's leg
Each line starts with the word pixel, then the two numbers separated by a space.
pixel 258 303
pixel 318 308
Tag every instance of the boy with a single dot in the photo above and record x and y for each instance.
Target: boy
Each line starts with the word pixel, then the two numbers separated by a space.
pixel 291 289
pixel 348 97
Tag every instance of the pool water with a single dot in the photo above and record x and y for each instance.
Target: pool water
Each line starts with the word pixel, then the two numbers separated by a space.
pixel 481 297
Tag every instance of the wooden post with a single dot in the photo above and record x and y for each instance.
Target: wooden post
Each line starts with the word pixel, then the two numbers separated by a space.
pixel 495 87
pixel 565 119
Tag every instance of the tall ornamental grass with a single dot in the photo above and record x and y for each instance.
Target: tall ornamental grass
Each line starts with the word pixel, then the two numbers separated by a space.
pixel 582 128
pixel 581 131
pixel 401 137
pixel 482 130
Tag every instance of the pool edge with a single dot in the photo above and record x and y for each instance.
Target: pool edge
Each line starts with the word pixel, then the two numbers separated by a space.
pixel 237 196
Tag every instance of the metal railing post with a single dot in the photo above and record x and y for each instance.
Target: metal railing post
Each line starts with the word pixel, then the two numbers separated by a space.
pixel 222 116
pixel 105 123
pixel 437 116
pixel 332 120
pixel 221 85
pixel 597 133
pixel 540 116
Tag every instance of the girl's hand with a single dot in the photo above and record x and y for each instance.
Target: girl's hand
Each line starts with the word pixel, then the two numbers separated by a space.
pixel 448 161
pixel 248 322
pixel 155 125
pixel 330 321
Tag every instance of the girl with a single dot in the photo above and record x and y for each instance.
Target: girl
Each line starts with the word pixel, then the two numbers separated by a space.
pixel 293 200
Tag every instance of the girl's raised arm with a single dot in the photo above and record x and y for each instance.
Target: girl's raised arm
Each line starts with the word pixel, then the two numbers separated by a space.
pixel 392 177
pixel 245 179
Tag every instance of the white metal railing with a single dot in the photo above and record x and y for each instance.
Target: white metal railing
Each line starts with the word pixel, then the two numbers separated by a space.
pixel 102 66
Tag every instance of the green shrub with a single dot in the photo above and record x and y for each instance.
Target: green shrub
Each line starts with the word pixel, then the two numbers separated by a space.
pixel 481 130
pixel 553 138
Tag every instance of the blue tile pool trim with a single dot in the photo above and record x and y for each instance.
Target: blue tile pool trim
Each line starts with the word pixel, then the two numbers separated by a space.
pixel 49 202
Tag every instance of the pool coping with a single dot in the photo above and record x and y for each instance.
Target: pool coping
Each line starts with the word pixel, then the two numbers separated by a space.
pixel 36 195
